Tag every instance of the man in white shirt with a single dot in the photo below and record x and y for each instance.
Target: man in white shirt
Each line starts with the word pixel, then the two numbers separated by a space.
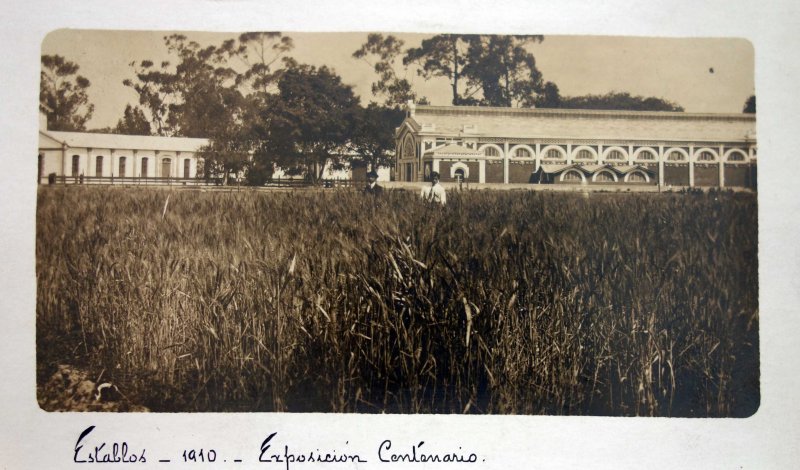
pixel 434 193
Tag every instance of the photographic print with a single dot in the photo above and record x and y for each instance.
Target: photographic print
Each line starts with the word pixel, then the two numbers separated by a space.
pixel 397 223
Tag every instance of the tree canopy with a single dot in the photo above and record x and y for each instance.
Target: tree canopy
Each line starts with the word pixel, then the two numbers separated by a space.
pixel 610 101
pixel 381 52
pixel 307 123
pixel 62 95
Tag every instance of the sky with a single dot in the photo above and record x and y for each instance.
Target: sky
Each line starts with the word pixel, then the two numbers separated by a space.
pixel 704 75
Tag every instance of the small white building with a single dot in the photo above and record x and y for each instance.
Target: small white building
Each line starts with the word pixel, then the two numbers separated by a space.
pixel 115 158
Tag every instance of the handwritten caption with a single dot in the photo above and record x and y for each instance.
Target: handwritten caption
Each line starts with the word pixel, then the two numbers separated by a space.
pixel 90 449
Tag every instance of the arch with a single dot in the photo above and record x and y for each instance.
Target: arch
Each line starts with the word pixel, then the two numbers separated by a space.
pixel 517 149
pixel 549 152
pixel 636 176
pixel 569 175
pixel 675 154
pixel 735 155
pixel 605 176
pixel 76 164
pixel 459 175
pixel 639 153
pixel 459 167
pixel 610 151
pixel 122 164
pixel 98 166
pixel 706 155
pixel 490 149
pixel 579 153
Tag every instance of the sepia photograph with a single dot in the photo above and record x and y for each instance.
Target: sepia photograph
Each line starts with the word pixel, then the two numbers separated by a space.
pixel 397 223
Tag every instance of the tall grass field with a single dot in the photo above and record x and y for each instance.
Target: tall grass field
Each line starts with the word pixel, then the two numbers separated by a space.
pixel 512 302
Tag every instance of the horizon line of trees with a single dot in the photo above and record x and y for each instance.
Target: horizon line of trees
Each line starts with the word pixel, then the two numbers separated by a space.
pixel 250 98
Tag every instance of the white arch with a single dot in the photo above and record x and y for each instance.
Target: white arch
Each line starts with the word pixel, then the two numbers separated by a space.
pixel 611 149
pixel 482 150
pixel 676 149
pixel 646 178
pixel 561 151
pixel 713 152
pixel 727 155
pixel 571 170
pixel 614 176
pixel 459 166
pixel 513 151
pixel 576 150
pixel 650 150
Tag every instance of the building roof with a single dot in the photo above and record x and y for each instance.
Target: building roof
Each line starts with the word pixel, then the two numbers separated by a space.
pixel 120 141
pixel 466 121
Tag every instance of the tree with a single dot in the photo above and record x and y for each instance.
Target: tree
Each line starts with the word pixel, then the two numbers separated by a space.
pixel 750 105
pixel 372 138
pixel 550 96
pixel 384 52
pixel 504 69
pixel 307 124
pixel 443 55
pixel 62 95
pixel 619 101
pixel 258 52
pixel 133 122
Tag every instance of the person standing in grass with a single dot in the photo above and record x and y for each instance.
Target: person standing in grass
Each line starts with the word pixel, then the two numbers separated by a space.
pixel 372 184
pixel 436 192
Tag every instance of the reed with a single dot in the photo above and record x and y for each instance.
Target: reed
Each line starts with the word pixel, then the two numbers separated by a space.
pixel 501 302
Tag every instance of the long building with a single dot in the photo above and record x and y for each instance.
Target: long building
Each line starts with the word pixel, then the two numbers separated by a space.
pixel 489 145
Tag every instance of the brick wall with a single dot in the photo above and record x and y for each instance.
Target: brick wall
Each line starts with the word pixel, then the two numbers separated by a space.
pixel 676 175
pixel 706 176
pixel 444 172
pixel 494 171
pixel 519 172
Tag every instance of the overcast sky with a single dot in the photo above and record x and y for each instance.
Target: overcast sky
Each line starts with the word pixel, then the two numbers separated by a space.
pixel 679 70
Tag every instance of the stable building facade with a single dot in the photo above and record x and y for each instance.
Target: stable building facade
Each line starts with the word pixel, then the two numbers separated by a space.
pixel 488 145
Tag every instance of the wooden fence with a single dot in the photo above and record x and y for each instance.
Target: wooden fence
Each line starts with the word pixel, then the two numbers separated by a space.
pixel 144 181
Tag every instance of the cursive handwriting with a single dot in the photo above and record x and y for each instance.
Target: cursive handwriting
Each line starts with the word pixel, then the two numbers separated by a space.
pixel 384 455
pixel 104 453
pixel 287 457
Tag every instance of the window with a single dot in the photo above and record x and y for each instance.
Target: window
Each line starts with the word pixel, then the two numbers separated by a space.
pixel 615 155
pixel 584 155
pixel 76 164
pixel 675 156
pixel 166 167
pixel 144 167
pixel 646 155
pixel 459 174
pixel 736 157
pixel 186 163
pixel 604 177
pixel 40 168
pixel 522 153
pixel 706 157
pixel 554 154
pixel 122 161
pixel 491 152
pixel 637 177
pixel 408 149
pixel 572 175
pixel 98 166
